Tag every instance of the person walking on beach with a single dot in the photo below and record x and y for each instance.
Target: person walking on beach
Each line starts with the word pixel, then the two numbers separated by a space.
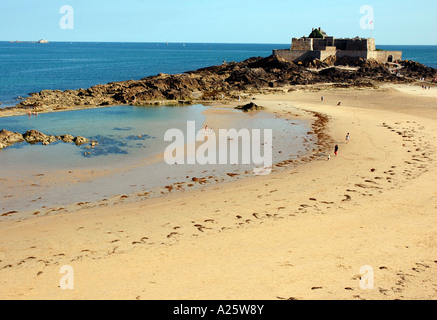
pixel 321 98
pixel 336 149
pixel 338 104
pixel 347 138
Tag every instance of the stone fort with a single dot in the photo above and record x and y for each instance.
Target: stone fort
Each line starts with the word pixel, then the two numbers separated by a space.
pixel 324 46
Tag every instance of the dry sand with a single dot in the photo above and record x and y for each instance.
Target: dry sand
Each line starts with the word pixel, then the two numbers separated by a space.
pixel 302 232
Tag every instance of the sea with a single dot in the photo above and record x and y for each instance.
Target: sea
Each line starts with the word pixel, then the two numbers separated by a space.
pixel 32 67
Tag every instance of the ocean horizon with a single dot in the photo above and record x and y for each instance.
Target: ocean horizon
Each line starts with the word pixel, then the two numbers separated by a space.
pixel 32 67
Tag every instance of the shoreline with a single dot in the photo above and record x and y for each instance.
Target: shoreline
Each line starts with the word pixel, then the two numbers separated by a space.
pixel 314 121
pixel 298 233
pixel 226 82
pixel 245 97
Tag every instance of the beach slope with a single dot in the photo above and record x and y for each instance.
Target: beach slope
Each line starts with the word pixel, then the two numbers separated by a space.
pixel 304 232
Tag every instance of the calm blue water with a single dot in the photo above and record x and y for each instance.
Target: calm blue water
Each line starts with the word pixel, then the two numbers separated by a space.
pixel 129 157
pixel 28 67
pixel 32 67
pixel 121 131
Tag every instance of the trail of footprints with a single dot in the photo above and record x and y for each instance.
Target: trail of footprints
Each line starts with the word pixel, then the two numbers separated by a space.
pixel 403 278
pixel 418 156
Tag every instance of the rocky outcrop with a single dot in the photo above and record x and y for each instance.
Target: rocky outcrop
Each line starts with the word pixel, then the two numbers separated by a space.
pixel 8 138
pixel 80 140
pixel 226 82
pixel 418 70
pixel 249 107
pixel 33 136
pixel 67 138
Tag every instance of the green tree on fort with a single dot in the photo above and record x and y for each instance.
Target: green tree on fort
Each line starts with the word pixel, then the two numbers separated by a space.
pixel 316 33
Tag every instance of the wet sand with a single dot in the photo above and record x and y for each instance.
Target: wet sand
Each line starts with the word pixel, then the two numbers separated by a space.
pixel 302 232
pixel 33 189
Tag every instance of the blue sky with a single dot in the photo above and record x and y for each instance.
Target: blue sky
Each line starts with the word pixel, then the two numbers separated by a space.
pixel 224 21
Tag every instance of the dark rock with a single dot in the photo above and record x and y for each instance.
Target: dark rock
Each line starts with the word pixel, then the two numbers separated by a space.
pixel 417 70
pixel 249 107
pixel 223 81
pixel 34 136
pixel 67 138
pixel 50 139
pixel 8 138
pixel 80 140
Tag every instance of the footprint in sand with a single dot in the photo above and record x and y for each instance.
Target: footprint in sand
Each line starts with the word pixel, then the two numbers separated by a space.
pixel 9 213
pixel 370 181
pixel 142 241
pixel 365 186
pixel 172 234
pixel 348 198
pixel 200 227
pixel 327 202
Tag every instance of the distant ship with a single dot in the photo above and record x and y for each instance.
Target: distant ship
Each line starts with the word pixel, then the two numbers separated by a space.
pixel 39 41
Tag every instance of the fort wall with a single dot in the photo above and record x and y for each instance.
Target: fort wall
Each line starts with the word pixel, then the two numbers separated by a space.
pixel 385 56
pixel 302 44
pixel 321 48
pixel 297 55
pixel 353 54
pixel 329 51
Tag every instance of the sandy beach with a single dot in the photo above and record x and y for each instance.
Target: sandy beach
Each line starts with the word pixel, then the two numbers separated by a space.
pixel 301 232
